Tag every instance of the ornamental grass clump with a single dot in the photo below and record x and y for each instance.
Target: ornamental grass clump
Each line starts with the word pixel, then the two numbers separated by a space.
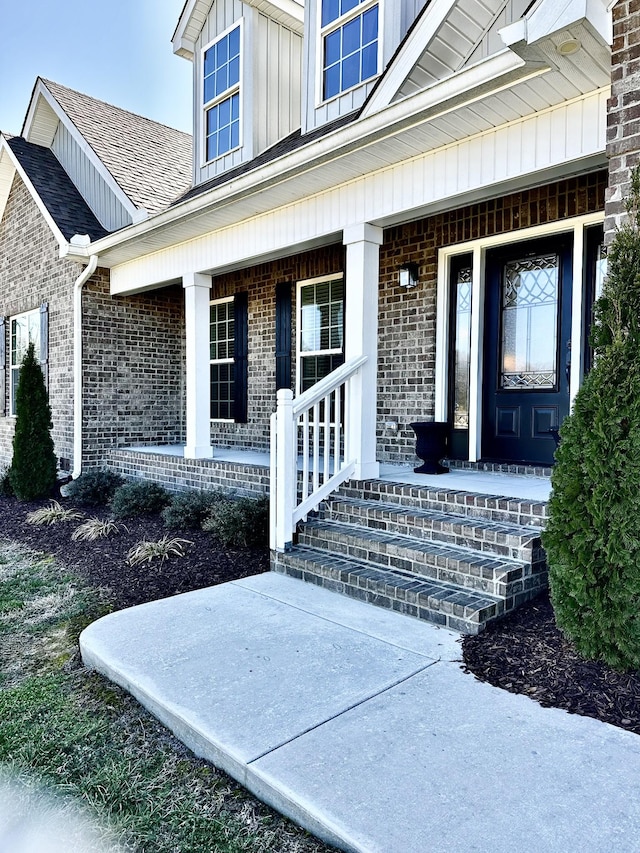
pixel 592 537
pixel 96 528
pixel 34 466
pixel 147 552
pixel 54 513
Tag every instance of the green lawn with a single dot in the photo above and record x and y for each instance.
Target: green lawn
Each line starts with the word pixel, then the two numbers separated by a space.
pixel 88 741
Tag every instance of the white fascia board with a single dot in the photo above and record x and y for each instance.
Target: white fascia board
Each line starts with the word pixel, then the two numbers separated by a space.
pixel 417 42
pixel 5 150
pixel 289 13
pixel 496 73
pixel 41 92
pixel 550 16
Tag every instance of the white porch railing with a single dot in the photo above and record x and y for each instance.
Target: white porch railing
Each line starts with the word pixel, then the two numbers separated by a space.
pixel 314 426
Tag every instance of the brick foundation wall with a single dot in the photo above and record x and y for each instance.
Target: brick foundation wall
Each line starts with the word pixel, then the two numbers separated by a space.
pixel 31 273
pixel 623 109
pixel 134 369
pixel 178 474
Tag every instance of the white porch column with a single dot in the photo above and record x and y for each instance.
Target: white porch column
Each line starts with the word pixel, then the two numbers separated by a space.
pixel 197 289
pixel 361 338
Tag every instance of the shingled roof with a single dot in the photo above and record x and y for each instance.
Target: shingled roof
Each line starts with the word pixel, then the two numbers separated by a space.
pixel 149 161
pixel 58 194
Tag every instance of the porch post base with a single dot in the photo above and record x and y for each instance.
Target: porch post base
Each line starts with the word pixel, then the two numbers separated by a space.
pixel 204 451
pixel 366 471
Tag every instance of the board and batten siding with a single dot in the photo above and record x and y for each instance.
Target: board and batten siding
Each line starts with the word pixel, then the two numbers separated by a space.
pixel 271 66
pixel 392 28
pixel 107 209
pixel 516 155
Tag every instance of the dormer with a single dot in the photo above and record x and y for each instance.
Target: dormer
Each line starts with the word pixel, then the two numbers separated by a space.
pixel 348 44
pixel 247 66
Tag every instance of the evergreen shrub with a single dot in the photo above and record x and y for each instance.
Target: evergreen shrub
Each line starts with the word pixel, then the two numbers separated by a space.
pixel 94 488
pixel 34 466
pixel 189 509
pixel 6 489
pixel 242 522
pixel 592 537
pixel 139 497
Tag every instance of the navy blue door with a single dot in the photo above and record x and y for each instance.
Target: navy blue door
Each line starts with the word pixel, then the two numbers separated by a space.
pixel 527 352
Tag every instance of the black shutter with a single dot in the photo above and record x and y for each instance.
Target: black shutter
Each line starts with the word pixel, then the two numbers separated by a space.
pixel 283 335
pixel 240 355
pixel 44 341
pixel 3 365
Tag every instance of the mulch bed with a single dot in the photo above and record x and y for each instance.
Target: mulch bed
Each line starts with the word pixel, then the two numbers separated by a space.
pixel 526 653
pixel 102 563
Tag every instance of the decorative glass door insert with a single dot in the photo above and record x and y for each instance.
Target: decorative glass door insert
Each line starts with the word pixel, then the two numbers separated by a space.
pixel 530 323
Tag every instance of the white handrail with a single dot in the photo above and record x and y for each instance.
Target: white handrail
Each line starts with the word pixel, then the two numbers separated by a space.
pixel 301 426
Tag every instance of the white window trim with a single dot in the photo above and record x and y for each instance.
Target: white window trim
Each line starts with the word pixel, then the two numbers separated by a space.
pixel 238 87
pixel 309 353
pixel 339 22
pixel 220 301
pixel 16 367
pixel 478 248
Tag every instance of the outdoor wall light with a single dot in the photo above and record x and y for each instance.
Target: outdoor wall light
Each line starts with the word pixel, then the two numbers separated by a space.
pixel 568 47
pixel 408 275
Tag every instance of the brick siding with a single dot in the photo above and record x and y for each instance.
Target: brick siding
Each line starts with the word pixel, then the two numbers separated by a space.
pixel 407 319
pixel 623 109
pixel 31 272
pixel 133 368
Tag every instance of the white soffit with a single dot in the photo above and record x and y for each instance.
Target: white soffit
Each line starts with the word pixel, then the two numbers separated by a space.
pixel 289 13
pixel 442 40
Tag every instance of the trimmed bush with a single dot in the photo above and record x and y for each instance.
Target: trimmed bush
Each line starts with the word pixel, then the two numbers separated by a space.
pixel 593 533
pixel 34 465
pixel 94 488
pixel 6 489
pixel 139 497
pixel 241 522
pixel 189 509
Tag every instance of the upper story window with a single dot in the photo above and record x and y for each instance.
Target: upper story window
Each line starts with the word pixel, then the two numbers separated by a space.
pixel 25 330
pixel 221 94
pixel 349 44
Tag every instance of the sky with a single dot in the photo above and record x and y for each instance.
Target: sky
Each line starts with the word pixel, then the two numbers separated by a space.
pixel 118 51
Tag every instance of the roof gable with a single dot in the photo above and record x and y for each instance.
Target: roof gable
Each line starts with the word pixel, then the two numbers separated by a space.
pixel 145 163
pixel 442 40
pixel 289 13
pixel 60 203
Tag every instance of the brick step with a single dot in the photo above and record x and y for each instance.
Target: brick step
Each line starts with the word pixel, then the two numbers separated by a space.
pixel 506 510
pixel 489 537
pixel 463 567
pixel 432 600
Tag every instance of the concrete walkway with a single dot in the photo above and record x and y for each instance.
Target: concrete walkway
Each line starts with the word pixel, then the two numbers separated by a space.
pixel 360 724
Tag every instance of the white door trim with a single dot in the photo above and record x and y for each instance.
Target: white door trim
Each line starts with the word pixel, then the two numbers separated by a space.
pixel 478 248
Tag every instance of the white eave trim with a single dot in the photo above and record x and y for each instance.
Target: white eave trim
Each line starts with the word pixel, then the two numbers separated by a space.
pixel 551 16
pixel 7 172
pixel 417 42
pixel 5 150
pixel 498 72
pixel 289 13
pixel 41 91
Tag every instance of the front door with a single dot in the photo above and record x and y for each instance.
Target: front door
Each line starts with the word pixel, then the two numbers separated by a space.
pixel 527 352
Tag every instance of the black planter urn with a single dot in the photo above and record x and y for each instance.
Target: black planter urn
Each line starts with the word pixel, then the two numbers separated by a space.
pixel 431 446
